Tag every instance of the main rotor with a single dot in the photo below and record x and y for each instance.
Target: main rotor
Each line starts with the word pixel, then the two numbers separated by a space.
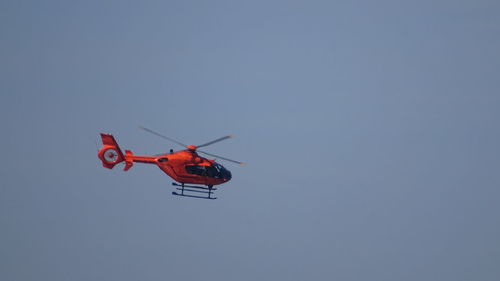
pixel 194 148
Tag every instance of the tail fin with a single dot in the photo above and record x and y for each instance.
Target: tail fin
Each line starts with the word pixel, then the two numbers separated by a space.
pixel 110 153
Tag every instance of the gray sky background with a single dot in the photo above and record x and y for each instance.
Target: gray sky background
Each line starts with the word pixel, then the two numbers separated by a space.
pixel 370 129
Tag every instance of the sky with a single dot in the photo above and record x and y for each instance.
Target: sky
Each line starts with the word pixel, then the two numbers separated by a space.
pixel 369 129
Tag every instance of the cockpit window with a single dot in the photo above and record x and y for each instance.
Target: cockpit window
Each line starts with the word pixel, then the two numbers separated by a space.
pixel 218 168
pixel 213 171
pixel 205 171
pixel 196 170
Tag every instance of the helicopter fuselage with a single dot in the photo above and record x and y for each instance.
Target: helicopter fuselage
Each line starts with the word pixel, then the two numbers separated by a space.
pixel 188 167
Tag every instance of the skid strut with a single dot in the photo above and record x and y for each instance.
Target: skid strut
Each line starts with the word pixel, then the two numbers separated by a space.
pixel 194 188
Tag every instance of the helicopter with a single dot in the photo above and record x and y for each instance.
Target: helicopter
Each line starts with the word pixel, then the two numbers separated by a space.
pixel 192 174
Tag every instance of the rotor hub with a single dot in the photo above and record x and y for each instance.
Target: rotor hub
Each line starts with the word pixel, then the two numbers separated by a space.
pixel 191 147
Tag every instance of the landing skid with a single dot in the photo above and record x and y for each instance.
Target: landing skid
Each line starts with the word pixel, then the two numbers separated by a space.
pixel 194 188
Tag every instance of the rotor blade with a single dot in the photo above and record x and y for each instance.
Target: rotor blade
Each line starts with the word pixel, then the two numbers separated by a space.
pixel 214 141
pixel 162 136
pixel 220 157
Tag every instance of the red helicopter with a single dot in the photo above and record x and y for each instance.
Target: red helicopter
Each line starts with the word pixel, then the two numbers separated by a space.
pixel 185 166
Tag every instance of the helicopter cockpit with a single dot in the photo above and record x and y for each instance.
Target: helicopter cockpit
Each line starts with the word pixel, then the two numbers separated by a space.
pixel 213 171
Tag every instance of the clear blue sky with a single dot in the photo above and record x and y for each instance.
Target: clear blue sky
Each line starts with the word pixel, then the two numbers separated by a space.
pixel 370 129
